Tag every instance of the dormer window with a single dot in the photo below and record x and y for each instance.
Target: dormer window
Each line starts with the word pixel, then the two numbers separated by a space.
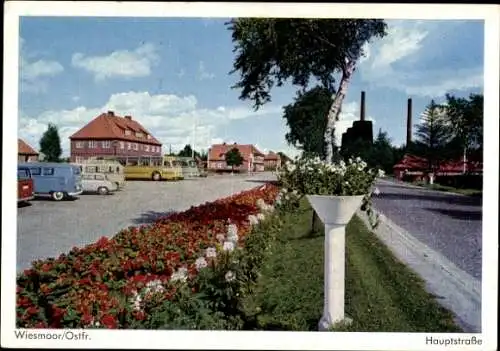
pixel 139 134
pixel 127 132
pixel 149 136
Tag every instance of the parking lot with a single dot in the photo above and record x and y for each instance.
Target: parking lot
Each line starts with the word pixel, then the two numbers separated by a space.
pixel 46 228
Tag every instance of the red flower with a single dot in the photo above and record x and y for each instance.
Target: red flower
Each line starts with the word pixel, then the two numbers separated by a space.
pixel 109 321
pixel 32 310
pixel 87 319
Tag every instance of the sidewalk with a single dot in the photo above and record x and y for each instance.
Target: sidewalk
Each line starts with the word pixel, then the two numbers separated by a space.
pixel 455 289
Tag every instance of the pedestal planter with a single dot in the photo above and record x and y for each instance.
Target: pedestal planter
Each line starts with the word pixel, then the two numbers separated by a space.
pixel 335 212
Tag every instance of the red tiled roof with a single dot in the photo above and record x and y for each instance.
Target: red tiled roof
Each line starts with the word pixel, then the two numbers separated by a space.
pixel 110 126
pixel 25 149
pixel 218 151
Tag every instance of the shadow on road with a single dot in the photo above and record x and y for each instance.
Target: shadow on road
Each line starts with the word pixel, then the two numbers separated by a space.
pixel 450 199
pixel 151 217
pixel 24 204
pixel 459 214
pixel 274 182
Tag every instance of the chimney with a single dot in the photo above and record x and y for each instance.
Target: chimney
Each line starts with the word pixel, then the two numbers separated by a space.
pixel 362 116
pixel 111 113
pixel 408 124
pixel 128 117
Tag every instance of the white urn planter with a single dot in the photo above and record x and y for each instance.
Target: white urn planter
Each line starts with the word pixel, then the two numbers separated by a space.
pixel 335 212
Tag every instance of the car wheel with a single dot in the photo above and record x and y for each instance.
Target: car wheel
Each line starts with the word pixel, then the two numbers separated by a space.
pixel 103 190
pixel 57 195
pixel 156 176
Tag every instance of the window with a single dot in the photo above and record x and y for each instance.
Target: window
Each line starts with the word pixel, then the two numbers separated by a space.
pixel 48 171
pixel 90 169
pixel 77 170
pixel 127 132
pixel 138 134
pixel 146 147
pixel 219 164
pixel 129 146
pixel 23 173
pixel 106 144
pixel 80 144
pixel 79 159
pixel 92 144
pixel 136 146
pixel 122 145
pixel 36 171
pixel 99 177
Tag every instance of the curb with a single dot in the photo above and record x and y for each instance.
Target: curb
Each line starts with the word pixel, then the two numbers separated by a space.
pixel 386 181
pixel 456 290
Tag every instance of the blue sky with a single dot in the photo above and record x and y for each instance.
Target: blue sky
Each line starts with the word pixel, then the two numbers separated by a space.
pixel 171 74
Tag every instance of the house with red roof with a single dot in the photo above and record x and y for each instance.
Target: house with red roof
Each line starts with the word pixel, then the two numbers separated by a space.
pixel 272 160
pixel 26 153
pixel 112 135
pixel 253 159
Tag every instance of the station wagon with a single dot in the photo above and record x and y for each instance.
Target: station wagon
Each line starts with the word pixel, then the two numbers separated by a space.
pixel 55 180
pixel 97 183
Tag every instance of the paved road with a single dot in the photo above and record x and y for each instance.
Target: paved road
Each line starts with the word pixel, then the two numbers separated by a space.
pixel 448 223
pixel 48 228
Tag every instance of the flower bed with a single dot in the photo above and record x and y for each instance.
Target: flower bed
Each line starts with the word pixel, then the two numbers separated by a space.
pixel 113 282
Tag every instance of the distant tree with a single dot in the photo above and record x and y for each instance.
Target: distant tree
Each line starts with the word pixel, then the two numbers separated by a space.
pixel 234 158
pixel 383 154
pixel 433 135
pixel 466 119
pixel 272 51
pixel 188 152
pixel 50 144
pixel 306 120
pixel 204 156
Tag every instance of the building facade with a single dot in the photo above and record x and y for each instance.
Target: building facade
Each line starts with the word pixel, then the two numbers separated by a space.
pixel 112 135
pixel 253 159
pixel 272 161
pixel 26 153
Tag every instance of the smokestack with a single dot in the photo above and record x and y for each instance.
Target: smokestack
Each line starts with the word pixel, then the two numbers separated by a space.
pixel 408 124
pixel 362 117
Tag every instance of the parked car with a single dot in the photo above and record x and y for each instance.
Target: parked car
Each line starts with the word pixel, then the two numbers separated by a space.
pixel 98 183
pixel 25 190
pixel 113 169
pixel 55 180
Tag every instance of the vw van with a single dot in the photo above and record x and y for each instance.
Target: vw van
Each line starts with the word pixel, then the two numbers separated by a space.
pixel 55 180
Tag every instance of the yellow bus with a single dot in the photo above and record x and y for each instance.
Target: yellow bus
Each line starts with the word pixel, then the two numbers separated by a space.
pixel 188 166
pixel 113 169
pixel 150 167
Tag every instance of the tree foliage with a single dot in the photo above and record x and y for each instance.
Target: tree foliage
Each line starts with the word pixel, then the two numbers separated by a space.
pixel 50 144
pixel 188 152
pixel 270 51
pixel 306 121
pixel 433 134
pixel 234 158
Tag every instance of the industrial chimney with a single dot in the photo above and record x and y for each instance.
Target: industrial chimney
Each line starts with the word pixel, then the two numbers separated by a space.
pixel 408 124
pixel 362 114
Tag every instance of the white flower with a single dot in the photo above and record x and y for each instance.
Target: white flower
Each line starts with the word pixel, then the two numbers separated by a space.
pixel 230 276
pixel 261 216
pixel 200 263
pixel 154 286
pixel 211 252
pixel 261 204
pixel 180 275
pixel 228 246
pixel 220 237
pixel 381 173
pixel 232 230
pixel 253 219
pixel 376 191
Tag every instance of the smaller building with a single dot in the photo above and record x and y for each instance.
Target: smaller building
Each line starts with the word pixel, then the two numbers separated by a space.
pixel 26 153
pixel 253 159
pixel 272 161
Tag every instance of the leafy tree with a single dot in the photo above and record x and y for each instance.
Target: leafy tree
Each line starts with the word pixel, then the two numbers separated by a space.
pixel 306 120
pixel 383 153
pixel 234 158
pixel 270 51
pixel 188 152
pixel 466 119
pixel 50 144
pixel 433 135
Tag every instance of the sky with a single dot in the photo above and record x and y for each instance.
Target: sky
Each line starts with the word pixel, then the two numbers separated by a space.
pixel 172 75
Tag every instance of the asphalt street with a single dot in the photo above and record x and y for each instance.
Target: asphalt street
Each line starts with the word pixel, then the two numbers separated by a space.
pixel 448 223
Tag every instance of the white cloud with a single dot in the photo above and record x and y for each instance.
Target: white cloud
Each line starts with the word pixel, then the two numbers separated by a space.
pixel 32 72
pixel 203 73
pixel 121 63
pixel 405 43
pixel 170 118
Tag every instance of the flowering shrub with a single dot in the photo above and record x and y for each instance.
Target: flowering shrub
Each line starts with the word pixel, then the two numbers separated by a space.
pixel 312 176
pixel 186 270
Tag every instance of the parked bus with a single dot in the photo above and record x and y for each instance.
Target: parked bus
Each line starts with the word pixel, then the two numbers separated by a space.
pixel 56 180
pixel 188 166
pixel 114 170
pixel 149 167
pixel 25 190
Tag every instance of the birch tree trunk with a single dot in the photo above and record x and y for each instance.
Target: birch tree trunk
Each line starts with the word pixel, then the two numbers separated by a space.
pixel 333 113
